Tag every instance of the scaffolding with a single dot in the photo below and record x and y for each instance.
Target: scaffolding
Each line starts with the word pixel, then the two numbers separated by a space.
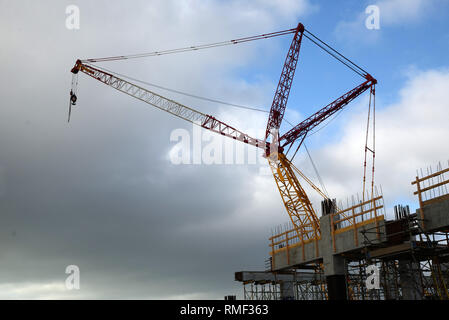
pixel 413 264
pixel 410 254
pixel 261 290
pixel 312 287
pixel 312 290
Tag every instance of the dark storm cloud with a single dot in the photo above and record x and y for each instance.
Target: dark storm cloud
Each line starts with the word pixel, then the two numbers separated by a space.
pixel 99 192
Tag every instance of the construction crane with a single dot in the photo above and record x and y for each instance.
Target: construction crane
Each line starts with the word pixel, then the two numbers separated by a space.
pixel 295 199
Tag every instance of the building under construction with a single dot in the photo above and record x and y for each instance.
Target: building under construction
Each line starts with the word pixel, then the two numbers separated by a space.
pixel 361 255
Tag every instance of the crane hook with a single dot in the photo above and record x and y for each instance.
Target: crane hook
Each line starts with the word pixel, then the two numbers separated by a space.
pixel 72 102
pixel 73 90
pixel 73 98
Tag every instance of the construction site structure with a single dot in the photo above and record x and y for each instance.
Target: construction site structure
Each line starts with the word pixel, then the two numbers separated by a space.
pixel 373 258
pixel 327 257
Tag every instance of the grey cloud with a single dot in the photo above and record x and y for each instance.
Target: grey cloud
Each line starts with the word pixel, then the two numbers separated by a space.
pixel 99 192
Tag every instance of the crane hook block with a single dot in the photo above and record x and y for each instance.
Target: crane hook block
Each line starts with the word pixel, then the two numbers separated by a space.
pixel 77 67
pixel 73 98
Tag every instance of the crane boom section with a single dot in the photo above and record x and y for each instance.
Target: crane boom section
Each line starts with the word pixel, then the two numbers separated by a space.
pixel 296 201
pixel 168 105
pixel 303 127
pixel 285 82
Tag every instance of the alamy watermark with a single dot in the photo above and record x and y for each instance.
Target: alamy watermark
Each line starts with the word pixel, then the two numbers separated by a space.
pixel 72 282
pixel 72 21
pixel 372 22
pixel 373 278
pixel 200 146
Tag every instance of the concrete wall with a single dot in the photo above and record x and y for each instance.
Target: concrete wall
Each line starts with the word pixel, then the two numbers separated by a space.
pixel 344 242
pixel 280 260
pixel 436 215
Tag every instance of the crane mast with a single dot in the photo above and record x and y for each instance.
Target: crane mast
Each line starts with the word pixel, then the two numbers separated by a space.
pixel 294 197
pixel 285 83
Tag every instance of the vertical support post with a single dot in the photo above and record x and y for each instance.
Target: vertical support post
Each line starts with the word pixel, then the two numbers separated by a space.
pixel 420 201
pixel 375 217
pixel 333 231
pixel 336 287
pixel 356 237
pixel 302 244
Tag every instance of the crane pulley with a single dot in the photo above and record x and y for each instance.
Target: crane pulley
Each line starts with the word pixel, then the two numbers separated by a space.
pixel 295 199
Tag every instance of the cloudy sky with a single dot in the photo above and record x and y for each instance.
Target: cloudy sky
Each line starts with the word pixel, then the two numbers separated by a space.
pixel 102 193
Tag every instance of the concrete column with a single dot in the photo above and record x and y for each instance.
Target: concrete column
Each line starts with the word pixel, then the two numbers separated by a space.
pixel 287 290
pixel 334 265
pixel 391 292
pixel 409 280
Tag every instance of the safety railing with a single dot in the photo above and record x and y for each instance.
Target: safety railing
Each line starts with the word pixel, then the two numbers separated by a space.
pixel 357 215
pixel 432 187
pixel 352 218
pixel 290 237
